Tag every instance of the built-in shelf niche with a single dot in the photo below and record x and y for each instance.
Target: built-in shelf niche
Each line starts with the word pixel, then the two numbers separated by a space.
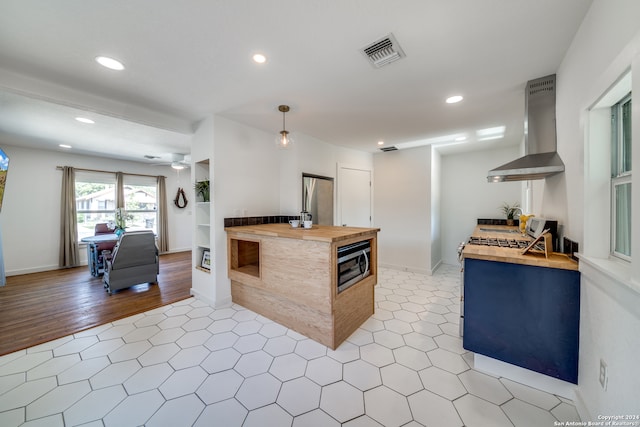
pixel 202 236
pixel 203 224
pixel 245 256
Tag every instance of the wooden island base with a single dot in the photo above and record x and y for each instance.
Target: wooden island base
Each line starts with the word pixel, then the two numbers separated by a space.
pixel 290 278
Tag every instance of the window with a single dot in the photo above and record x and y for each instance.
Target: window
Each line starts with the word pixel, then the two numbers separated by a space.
pixel 141 202
pixel 95 200
pixel 621 178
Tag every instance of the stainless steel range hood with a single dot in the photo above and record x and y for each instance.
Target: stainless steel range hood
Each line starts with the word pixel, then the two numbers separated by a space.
pixel 541 159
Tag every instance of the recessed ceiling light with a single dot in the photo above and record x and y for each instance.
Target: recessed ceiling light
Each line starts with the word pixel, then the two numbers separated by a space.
pixel 85 120
pixel 110 63
pixel 380 142
pixel 64 146
pixel 487 134
pixel 491 131
pixel 438 141
pixel 489 138
pixel 259 58
pixel 454 99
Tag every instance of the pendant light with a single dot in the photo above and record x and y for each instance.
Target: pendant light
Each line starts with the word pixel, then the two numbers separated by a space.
pixel 284 140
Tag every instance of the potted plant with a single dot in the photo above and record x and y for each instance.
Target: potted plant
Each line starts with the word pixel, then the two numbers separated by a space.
pixel 202 188
pixel 121 220
pixel 510 211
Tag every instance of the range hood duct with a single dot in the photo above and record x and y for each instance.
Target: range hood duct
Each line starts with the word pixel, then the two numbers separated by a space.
pixel 541 159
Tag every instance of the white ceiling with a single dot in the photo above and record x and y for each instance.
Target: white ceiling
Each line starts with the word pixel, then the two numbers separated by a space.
pixel 190 59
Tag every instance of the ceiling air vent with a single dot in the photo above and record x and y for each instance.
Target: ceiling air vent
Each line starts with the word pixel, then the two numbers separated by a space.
pixel 383 51
pixel 392 148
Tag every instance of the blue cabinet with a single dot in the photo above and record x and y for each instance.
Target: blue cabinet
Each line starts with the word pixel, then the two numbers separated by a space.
pixel 525 315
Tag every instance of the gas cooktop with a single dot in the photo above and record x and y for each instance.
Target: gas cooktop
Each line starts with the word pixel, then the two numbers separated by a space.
pixel 503 243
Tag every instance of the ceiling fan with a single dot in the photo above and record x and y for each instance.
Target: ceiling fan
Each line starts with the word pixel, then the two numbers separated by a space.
pixel 176 160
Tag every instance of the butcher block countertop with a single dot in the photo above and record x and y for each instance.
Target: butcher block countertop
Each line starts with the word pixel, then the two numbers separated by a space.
pixel 513 255
pixel 320 233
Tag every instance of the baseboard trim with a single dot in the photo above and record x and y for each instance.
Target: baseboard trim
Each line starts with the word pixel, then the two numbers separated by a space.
pixel 38 269
pixel 175 251
pixel 581 407
pixel 224 302
pixel 403 268
pixel 202 297
pixel 524 376
pixel 83 263
pixel 433 270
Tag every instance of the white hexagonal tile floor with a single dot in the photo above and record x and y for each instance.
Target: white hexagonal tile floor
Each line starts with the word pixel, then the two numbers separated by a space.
pixel 187 364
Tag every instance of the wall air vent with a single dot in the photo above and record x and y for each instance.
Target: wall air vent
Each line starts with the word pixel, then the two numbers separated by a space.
pixel 392 148
pixel 383 51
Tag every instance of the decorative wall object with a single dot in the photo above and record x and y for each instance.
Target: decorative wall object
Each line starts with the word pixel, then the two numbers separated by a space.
pixel 4 167
pixel 181 199
pixel 206 260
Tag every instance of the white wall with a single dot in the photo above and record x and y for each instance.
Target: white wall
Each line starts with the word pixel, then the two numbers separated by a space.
pixel 316 157
pixel 467 196
pixel 436 209
pixel 30 217
pixel 402 208
pixel 266 180
pixel 606 46
pixel 246 170
pixel 609 325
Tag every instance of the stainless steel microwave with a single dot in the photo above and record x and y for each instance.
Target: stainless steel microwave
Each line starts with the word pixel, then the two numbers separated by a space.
pixel 353 264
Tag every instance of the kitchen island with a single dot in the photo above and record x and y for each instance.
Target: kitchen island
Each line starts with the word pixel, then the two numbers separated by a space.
pixel 289 275
pixel 523 309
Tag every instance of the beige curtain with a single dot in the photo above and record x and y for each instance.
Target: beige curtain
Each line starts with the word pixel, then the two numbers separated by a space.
pixel 119 190
pixel 68 228
pixel 163 224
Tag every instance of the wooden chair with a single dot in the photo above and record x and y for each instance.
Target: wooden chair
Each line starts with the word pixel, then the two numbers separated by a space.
pixel 105 248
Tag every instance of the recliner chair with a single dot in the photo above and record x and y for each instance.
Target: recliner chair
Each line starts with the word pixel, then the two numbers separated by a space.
pixel 134 260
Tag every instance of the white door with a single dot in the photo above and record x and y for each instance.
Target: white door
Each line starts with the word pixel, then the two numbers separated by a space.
pixel 355 196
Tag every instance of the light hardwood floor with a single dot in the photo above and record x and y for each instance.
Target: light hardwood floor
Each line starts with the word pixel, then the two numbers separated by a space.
pixel 40 307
